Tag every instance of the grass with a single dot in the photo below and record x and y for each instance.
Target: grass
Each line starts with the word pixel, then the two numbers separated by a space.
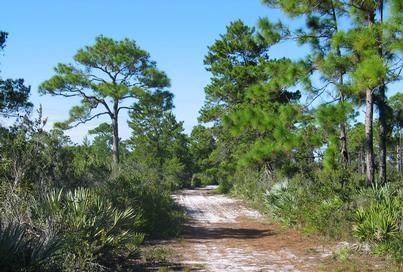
pixel 156 255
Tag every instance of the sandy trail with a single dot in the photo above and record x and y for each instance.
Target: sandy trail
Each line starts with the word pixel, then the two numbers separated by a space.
pixel 225 235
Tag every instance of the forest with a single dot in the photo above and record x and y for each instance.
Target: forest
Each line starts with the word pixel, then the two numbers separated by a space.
pixel 314 143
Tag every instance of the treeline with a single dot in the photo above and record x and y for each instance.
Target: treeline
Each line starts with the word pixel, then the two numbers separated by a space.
pixel 89 207
pixel 288 133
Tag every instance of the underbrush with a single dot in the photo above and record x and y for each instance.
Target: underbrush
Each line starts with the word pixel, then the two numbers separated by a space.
pixel 380 221
pixel 78 230
pixel 324 203
pixel 161 216
pixel 82 229
pixel 313 207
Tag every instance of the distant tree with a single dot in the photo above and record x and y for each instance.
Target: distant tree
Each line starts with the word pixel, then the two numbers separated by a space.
pixel 34 156
pixel 105 75
pixel 201 146
pixel 14 97
pixel 357 147
pixel 235 61
pixel 157 138
pixel 396 104
pixel 396 126
pixel 13 93
pixel 102 142
pixel 3 38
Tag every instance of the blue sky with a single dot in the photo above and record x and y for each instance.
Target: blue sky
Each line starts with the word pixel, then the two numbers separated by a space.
pixel 176 33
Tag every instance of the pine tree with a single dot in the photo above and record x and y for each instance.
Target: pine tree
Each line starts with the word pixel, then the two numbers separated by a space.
pixel 236 62
pixel 364 58
pixel 158 139
pixel 107 74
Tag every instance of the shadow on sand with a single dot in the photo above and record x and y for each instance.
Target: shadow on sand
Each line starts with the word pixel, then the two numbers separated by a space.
pixel 201 232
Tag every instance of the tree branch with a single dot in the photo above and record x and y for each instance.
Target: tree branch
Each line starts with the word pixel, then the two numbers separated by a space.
pixel 125 108
pixel 91 97
pixel 88 119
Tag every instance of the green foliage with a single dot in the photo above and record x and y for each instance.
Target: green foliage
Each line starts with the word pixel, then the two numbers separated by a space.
pixel 3 38
pixel 21 249
pixel 161 217
pixel 14 97
pixel 27 151
pixel 396 104
pixel 156 255
pixel 330 119
pixel 90 219
pixel 312 206
pixel 106 74
pixel 115 59
pixel 343 254
pixel 158 141
pixel 14 94
pixel 201 145
pixel 380 220
pixel 369 73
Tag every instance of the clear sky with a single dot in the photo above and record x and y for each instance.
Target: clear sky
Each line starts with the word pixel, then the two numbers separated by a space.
pixel 176 33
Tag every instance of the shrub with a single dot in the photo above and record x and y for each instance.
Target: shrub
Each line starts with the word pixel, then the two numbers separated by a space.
pixel 314 205
pixel 22 249
pixel 90 224
pixel 161 216
pixel 377 223
pixel 282 203
pixel 381 218
pixel 380 221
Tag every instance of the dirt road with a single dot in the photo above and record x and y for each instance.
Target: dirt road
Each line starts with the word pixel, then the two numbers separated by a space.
pixel 224 235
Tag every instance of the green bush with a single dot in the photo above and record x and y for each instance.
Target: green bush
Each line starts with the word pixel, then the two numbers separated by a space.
pixel 24 249
pixel 90 224
pixel 251 184
pixel 376 223
pixel 316 205
pixel 391 247
pixel 282 203
pixel 161 216
pixel 379 222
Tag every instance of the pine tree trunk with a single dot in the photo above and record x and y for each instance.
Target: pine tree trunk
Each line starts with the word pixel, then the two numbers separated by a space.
pixel 344 150
pixel 343 137
pixel 398 158
pixel 115 134
pixel 369 113
pixel 343 134
pixel 362 161
pixel 382 135
pixel 399 154
pixel 382 109
pixel 369 151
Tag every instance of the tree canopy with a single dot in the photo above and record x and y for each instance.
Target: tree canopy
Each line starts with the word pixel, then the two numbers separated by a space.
pixel 105 75
pixel 14 95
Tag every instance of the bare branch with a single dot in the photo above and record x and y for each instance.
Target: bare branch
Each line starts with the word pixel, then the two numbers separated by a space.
pixel 97 99
pixel 105 70
pixel 88 119
pixel 125 108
